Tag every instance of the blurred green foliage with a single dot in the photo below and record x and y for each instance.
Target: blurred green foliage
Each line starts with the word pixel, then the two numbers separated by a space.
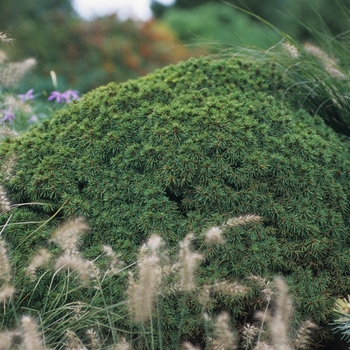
pixel 290 16
pixel 87 54
pixel 214 25
pixel 16 13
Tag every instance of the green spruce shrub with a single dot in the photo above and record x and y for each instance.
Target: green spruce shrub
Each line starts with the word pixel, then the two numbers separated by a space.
pixel 178 151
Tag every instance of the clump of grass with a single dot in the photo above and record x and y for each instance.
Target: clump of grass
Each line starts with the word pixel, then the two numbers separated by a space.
pixel 315 73
pixel 278 334
pixel 144 289
pixel 279 322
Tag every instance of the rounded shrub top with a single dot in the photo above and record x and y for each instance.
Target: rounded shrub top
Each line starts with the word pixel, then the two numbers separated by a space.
pixel 185 148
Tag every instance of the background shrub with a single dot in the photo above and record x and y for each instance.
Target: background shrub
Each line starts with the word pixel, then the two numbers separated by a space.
pixel 179 151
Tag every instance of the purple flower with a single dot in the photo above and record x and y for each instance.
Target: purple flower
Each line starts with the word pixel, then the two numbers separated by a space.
pixel 27 96
pixel 56 95
pixel 74 94
pixel 8 115
pixel 64 97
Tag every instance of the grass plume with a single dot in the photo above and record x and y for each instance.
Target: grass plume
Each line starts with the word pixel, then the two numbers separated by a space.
pixel 67 236
pixel 30 334
pixel 41 258
pixel 5 268
pixel 225 337
pixel 188 262
pixel 142 292
pixel 12 72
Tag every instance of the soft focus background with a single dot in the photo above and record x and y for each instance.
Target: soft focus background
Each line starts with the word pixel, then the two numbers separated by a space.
pixel 88 45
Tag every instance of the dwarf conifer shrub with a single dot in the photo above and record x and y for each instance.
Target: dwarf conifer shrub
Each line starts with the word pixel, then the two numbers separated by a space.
pixel 179 151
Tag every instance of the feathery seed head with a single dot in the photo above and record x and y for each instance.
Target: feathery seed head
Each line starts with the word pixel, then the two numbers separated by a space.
pixel 188 346
pixel 7 166
pixel 225 336
pixel 67 236
pixel 5 270
pixel 291 49
pixel 4 201
pixel 5 132
pixel 204 296
pixel 214 236
pixel 6 293
pixel 242 220
pixel 77 264
pixel 4 38
pixel 78 309
pixel 316 51
pixel 263 316
pixel 122 345
pixel 10 340
pixel 249 334
pixel 279 322
pixel 155 242
pixel 16 104
pixel 30 334
pixel 3 57
pixel 328 63
pixel 141 293
pixel 72 342
pixel 303 337
pixel 13 72
pixel 38 260
pixel 116 264
pixel 188 263
pixel 229 288
pixel 334 72
pixel 267 291
pixel 93 339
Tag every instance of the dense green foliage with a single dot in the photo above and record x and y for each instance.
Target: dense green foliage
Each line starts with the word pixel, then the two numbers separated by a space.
pixel 178 151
